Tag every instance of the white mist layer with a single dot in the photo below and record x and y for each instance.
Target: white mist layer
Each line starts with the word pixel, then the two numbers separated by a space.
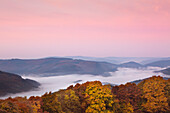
pixel 54 83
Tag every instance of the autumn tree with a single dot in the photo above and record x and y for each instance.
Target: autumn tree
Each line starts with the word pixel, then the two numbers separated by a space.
pixel 154 95
pixel 167 90
pixel 70 102
pixel 79 91
pixel 36 104
pixel 129 96
pixel 100 99
pixel 8 106
pixel 16 105
pixel 50 103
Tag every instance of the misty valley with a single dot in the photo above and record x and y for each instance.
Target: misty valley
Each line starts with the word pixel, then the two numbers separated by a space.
pixel 54 83
pixel 52 74
pixel 34 85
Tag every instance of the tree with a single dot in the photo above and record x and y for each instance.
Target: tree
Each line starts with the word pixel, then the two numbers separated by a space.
pixel 167 90
pixel 80 92
pixel 16 105
pixel 100 99
pixel 50 103
pixel 36 104
pixel 129 96
pixel 154 95
pixel 70 102
pixel 9 107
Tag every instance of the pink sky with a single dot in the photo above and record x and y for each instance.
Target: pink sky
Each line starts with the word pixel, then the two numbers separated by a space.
pixel 123 28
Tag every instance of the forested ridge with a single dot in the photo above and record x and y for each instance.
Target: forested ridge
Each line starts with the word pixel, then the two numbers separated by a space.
pixel 12 83
pixel 152 95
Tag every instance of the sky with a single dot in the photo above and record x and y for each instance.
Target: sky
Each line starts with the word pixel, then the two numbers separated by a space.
pixel 100 28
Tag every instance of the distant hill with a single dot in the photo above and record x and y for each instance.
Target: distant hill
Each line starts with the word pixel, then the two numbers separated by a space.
pixel 131 65
pixel 62 66
pixel 97 59
pixel 165 71
pixel 161 63
pixel 120 60
pixel 11 83
pixel 56 66
pixel 117 60
pixel 154 59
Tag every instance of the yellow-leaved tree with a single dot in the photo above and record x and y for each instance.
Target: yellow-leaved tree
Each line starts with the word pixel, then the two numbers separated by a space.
pixel 100 99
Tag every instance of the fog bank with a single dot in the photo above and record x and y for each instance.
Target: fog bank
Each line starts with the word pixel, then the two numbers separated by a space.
pixel 54 83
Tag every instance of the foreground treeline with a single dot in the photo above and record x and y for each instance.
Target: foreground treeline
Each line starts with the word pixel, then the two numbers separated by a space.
pixel 149 96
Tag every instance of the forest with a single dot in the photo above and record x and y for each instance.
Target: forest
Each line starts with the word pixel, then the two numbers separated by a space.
pixel 151 95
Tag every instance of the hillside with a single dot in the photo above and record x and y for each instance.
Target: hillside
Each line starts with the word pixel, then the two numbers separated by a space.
pixel 93 97
pixel 131 65
pixel 56 66
pixel 161 63
pixel 11 83
pixel 120 60
pixel 166 71
pixel 63 66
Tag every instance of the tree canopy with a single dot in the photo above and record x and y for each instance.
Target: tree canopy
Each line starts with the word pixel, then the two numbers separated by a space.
pixel 149 96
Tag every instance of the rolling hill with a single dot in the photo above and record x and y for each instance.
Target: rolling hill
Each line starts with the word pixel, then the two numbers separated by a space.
pixel 56 66
pixel 131 65
pixel 166 71
pixel 62 66
pixel 12 83
pixel 161 63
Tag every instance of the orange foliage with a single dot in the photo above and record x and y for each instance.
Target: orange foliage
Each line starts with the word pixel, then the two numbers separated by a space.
pixel 150 96
pixel 154 94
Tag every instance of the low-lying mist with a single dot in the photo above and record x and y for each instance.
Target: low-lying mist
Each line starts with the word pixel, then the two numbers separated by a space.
pixel 54 83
